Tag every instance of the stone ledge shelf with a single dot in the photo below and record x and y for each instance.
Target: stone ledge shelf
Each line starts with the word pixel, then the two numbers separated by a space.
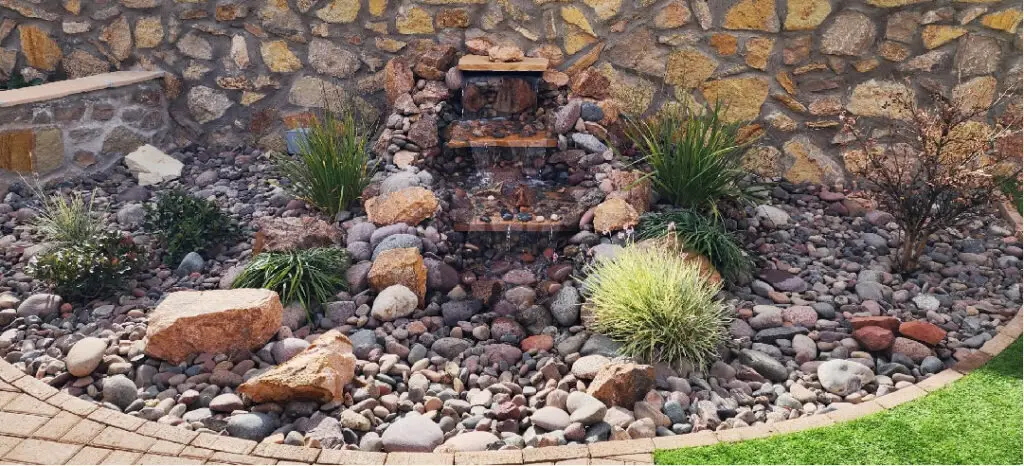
pixel 79 125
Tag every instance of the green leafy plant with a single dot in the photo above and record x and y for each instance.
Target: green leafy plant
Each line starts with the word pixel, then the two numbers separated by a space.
pixel 18 81
pixel 704 235
pixel 696 158
pixel 97 266
pixel 659 305
pixel 333 165
pixel 306 276
pixel 185 224
pixel 66 219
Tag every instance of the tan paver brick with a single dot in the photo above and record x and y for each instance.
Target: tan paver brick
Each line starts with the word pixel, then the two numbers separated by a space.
pixel 286 452
pixel 555 453
pixel 222 443
pixel 83 432
pixel 744 433
pixel 163 447
pixel 801 423
pixel 122 457
pixel 856 411
pixel 639 458
pixel 6 397
pixel 89 455
pixel 489 457
pixel 574 461
pixel 150 458
pixel 972 362
pixel 7 443
pixel 57 426
pixel 26 404
pixel 698 439
pixel 9 373
pixel 36 388
pixel 121 439
pixel 233 458
pixel 166 432
pixel 20 425
pixel 621 447
pixel 36 451
pixel 350 457
pixel 606 460
pixel 69 403
pixel 116 419
pixel 997 344
pixel 940 380
pixel 901 396
pixel 196 452
pixel 420 458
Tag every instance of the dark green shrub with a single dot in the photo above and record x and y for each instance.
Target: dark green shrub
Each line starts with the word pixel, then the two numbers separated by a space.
pixel 333 166
pixel 95 267
pixel 185 224
pixel 703 235
pixel 696 159
pixel 307 276
pixel 660 306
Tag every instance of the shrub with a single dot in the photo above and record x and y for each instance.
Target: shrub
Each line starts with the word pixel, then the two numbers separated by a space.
pixel 66 219
pixel 696 160
pixel 185 224
pixel 701 234
pixel 306 276
pixel 935 167
pixel 333 165
pixel 95 267
pixel 658 305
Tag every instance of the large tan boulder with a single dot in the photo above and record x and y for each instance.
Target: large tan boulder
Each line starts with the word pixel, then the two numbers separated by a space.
pixel 410 206
pixel 614 214
pixel 400 266
pixel 622 384
pixel 319 372
pixel 216 321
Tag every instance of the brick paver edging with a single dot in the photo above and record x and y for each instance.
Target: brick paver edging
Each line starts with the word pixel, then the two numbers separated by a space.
pixel 41 425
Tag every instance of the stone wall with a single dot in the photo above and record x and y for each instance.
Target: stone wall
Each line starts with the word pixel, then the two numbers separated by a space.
pixel 80 132
pixel 789 65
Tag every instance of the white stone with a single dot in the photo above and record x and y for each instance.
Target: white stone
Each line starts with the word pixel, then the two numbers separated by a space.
pixel 775 215
pixel 394 302
pixel 151 166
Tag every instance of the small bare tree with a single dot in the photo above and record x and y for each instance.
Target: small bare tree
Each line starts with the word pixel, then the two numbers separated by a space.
pixel 932 168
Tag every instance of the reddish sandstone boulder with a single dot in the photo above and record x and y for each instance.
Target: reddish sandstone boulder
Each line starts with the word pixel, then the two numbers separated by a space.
pixel 215 321
pixel 537 342
pixel 401 266
pixel 590 83
pixel 320 372
pixel 398 79
pixel 925 332
pixel 293 233
pixel 874 338
pixel 410 206
pixel 886 322
pixel 622 384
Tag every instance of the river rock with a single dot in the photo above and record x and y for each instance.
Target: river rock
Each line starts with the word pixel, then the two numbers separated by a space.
pixel 412 433
pixel 843 377
pixel 85 356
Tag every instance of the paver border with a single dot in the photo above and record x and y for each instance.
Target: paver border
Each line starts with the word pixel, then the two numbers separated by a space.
pixel 94 434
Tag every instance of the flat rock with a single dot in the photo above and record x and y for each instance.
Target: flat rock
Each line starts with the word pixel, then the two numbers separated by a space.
pixel 151 166
pixel 215 321
pixel 320 372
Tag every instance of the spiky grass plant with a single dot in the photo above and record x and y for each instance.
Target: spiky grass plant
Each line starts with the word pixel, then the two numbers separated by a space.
pixel 307 276
pixel 696 158
pixel 704 235
pixel 66 219
pixel 660 306
pixel 333 165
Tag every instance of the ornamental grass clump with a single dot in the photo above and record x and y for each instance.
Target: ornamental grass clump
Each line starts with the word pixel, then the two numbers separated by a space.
pixel 66 219
pixel 309 277
pixel 696 159
pixel 658 305
pixel 333 165
pixel 703 235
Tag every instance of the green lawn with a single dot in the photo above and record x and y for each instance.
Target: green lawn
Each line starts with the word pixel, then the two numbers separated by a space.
pixel 977 420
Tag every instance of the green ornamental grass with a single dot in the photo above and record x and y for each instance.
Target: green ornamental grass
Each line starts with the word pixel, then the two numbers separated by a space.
pixel 333 165
pixel 66 219
pixel 657 305
pixel 308 276
pixel 704 235
pixel 186 223
pixel 696 159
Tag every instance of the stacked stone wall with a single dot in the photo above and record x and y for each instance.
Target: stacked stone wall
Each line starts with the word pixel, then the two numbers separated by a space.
pixel 790 66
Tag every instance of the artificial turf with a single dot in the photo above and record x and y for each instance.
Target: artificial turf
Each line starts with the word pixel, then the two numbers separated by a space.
pixel 976 420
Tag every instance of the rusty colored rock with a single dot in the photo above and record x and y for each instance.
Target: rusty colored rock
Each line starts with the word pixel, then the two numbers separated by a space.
pixel 409 205
pixel 294 233
pixel 40 50
pixel 320 372
pixel 398 79
pixel 925 332
pixel 401 266
pixel 590 83
pixel 216 321
pixel 622 384
pixel 874 338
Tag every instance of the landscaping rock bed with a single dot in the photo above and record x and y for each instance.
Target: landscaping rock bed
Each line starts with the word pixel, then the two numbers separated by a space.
pixel 466 342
